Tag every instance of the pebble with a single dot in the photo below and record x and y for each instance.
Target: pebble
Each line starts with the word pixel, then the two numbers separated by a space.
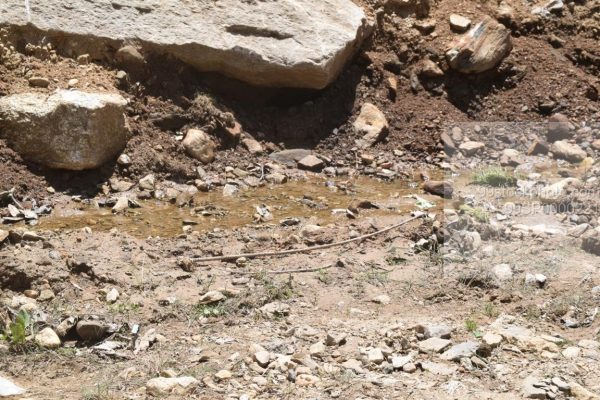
pixel 48 339
pixel 458 23
pixel 381 299
pixel 166 386
pixel 434 345
pixel 38 81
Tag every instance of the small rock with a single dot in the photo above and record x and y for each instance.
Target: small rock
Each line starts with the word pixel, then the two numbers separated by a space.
pixel 458 23
pixel 400 362
pixel 311 163
pixel 568 151
pixel 263 358
pixel 503 272
pixel 90 331
pixel 491 339
pixel 253 146
pixel 409 367
pixel 112 296
pixel 430 69
pixel 571 352
pixel 148 182
pixel 531 389
pixel 213 296
pixel 317 349
pixel 434 345
pixel 48 339
pixel 199 145
pixel 223 375
pixel 167 386
pixel 471 148
pixel 307 380
pixel 461 350
pixel 538 147
pixel 8 388
pixel 335 339
pixel 124 160
pixel 375 356
pixel 439 188
pixel 372 124
pixel 38 81
pixel 381 299
pixel 559 128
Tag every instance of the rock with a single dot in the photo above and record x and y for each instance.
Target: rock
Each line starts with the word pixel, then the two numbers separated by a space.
pixel 439 188
pixel 121 205
pixel 571 352
pixel 214 296
pixel 434 330
pixel 375 355
pixel 567 151
pixel 148 182
pixel 430 69
pixel 538 147
pixel 317 349
pixel 559 128
pixel 171 386
pixel 354 365
pixel 503 272
pixel 581 393
pixel 3 235
pixel 438 368
pixel 124 160
pixel 38 81
pixel 311 163
pixel 68 129
pixel 458 23
pixel 91 331
pixel 47 339
pixel 471 148
pixel 290 43
pixel 492 339
pixel 199 145
pixel 335 339
pixel 481 49
pixel 555 191
pixel 129 57
pixel 253 146
pixel 434 345
pixel 307 380
pixel 400 362
pixel 230 190
pixel 223 375
pixel 112 296
pixel 8 388
pixel 372 124
pixel 409 368
pixel 289 157
pixel 381 299
pixel 449 146
pixel 591 243
pixel 531 389
pixel 511 158
pixel 263 358
pixel 561 384
pixel 461 350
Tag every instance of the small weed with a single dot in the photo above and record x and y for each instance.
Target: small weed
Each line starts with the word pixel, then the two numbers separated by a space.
pixel 124 308
pixel 395 257
pixel 208 311
pixel 478 213
pixel 16 332
pixel 472 327
pixel 532 312
pixel 99 392
pixel 494 176
pixel 376 277
pixel 325 277
pixel 490 310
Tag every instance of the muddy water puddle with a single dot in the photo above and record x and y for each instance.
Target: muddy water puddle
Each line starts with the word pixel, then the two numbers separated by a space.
pixel 322 200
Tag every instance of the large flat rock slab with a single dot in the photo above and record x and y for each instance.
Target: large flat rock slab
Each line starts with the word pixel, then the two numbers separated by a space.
pixel 284 43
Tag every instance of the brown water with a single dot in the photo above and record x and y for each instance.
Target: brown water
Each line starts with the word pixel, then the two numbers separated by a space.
pixel 296 199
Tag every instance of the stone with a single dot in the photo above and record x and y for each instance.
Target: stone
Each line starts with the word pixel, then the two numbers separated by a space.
pixel 591 244
pixel 561 384
pixel 38 81
pixel 223 375
pixel 171 386
pixel 531 390
pixel 148 182
pixel 91 331
pixel 503 272
pixel 430 69
pixel 47 339
pixel 511 158
pixel 213 296
pixel 471 148
pixel 317 349
pixel 288 43
pixel 439 188
pixel 555 191
pixel 461 350
pixel 289 157
pixel 458 23
pixel 311 163
pixel 568 151
pixel 199 145
pixel 434 345
pixel 400 362
pixel 8 388
pixel 559 128
pixel 372 124
pixel 381 299
pixel 112 296
pixel 438 368
pixel 580 393
pixel 253 146
pixel 121 205
pixel 480 49
pixel 307 380
pixel 354 365
pixel 129 57
pixel 435 330
pixel 492 339
pixel 263 358
pixel 335 339
pixel 275 308
pixel 538 147
pixel 68 129
pixel 375 355
pixel 409 367
pixel 124 160
pixel 571 352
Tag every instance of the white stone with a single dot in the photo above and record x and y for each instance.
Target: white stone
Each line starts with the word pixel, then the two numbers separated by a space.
pixel 8 388
pixel 48 339
pixel 166 386
pixel 290 43
pixel 371 124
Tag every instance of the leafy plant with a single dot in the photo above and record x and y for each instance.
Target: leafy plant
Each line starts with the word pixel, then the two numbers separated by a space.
pixel 209 310
pixel 472 327
pixel 490 310
pixel 495 176
pixel 479 214
pixel 17 331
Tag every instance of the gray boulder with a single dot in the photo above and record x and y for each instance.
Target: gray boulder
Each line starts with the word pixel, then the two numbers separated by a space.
pixel 289 43
pixel 69 129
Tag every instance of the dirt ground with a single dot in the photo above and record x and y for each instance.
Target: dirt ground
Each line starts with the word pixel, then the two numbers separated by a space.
pixel 469 301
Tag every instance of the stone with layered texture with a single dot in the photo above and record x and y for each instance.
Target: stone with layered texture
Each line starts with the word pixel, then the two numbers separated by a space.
pixel 480 49
pixel 286 43
pixel 69 129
